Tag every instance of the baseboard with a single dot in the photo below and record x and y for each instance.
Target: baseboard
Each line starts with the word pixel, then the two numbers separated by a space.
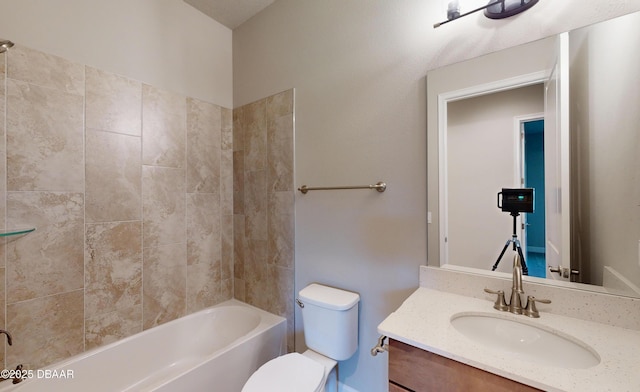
pixel 535 249
pixel 345 388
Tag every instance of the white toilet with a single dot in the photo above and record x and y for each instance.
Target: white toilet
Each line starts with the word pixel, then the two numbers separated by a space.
pixel 330 322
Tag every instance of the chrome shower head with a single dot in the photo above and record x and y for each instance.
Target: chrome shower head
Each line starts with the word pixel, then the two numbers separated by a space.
pixel 4 45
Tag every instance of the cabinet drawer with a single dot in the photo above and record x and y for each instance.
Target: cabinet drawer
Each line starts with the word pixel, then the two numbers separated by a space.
pixel 423 371
pixel 395 388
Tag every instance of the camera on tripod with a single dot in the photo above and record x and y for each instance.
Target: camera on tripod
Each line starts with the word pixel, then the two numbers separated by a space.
pixel 515 201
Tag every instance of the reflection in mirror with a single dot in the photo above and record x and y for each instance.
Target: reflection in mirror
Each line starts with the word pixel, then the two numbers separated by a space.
pixel 484 155
pixel 580 151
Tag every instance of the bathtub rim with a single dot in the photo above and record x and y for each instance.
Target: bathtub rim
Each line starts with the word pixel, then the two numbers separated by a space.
pixel 267 320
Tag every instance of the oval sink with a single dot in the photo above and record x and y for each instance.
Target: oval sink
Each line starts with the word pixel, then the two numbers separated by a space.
pixel 526 341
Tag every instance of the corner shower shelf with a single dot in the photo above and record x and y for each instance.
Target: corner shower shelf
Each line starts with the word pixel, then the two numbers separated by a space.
pixel 10 232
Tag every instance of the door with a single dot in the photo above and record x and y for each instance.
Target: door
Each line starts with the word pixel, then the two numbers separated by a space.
pixel 556 147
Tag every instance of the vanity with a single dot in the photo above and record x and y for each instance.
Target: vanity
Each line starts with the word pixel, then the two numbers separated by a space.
pixel 559 105
pixel 428 351
pixel 414 369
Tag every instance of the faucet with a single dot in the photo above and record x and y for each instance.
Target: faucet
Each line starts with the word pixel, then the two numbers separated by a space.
pixel 18 372
pixel 9 339
pixel 515 303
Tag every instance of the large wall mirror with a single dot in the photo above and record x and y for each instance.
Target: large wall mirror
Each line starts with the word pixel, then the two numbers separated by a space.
pixel 562 116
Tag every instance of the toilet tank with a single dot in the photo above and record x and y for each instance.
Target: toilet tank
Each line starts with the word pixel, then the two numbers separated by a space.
pixel 330 320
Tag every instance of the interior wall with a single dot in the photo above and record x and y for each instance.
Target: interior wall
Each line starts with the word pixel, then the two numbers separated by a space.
pixel 481 160
pixel 606 158
pixel 359 72
pixel 165 43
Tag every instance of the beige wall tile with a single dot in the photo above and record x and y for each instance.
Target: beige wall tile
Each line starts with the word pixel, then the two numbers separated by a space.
pixel 203 146
pixel 259 291
pixel 239 246
pixel 204 286
pixel 238 128
pixel 280 104
pixel 45 70
pixel 255 136
pixel 3 150
pixel 226 182
pixel 238 182
pixel 45 330
pixel 238 290
pixel 280 153
pixel 44 139
pixel 163 204
pixel 3 304
pixel 49 260
pixel 110 253
pixel 227 129
pixel 226 253
pixel 164 284
pixel 113 102
pixel 226 290
pixel 263 204
pixel 255 204
pixel 109 327
pixel 204 234
pixel 281 239
pixel 113 268
pixel 164 122
pixel 283 293
pixel 113 177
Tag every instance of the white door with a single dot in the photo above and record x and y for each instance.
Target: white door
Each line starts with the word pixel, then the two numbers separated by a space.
pixel 556 147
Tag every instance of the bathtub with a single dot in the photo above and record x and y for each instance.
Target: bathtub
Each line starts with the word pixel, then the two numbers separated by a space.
pixel 214 350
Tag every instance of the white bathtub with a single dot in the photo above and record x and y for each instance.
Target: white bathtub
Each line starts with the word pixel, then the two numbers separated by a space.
pixel 214 350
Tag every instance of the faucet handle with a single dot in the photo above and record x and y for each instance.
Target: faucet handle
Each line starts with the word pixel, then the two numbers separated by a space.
pixel 500 303
pixel 531 310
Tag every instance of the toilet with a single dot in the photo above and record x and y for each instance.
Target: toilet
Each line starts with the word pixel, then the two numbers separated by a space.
pixel 330 323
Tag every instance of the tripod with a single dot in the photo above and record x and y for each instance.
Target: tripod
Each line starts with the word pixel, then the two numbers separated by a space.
pixel 516 247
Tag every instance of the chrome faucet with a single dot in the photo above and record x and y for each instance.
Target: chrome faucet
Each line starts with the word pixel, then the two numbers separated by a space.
pixel 515 303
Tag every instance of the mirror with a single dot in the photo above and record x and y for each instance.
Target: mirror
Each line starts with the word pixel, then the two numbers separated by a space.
pixel 559 115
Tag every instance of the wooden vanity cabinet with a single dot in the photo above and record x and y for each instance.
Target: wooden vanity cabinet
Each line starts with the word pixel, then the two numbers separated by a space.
pixel 414 369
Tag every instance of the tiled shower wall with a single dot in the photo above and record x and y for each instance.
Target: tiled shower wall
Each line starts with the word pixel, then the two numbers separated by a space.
pixel 131 190
pixel 263 205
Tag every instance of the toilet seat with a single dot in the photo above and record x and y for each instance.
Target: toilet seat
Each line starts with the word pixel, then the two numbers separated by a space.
pixel 289 373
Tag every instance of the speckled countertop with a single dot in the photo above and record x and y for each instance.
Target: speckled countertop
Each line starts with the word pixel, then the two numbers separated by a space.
pixel 423 321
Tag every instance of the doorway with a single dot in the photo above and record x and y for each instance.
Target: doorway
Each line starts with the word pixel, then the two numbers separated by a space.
pixel 532 169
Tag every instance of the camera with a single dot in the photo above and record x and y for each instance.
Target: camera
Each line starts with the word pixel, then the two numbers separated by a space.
pixel 516 200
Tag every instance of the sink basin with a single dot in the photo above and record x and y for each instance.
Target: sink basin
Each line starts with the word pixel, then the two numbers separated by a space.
pixel 526 341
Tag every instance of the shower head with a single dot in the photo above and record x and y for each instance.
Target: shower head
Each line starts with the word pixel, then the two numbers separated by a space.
pixel 4 45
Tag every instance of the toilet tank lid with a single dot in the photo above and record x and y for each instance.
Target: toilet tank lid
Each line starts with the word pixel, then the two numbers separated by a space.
pixel 328 297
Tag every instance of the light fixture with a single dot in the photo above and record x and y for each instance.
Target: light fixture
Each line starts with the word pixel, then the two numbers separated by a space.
pixel 4 45
pixel 496 9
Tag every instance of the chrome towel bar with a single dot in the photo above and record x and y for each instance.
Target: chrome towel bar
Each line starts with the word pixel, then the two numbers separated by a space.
pixel 380 187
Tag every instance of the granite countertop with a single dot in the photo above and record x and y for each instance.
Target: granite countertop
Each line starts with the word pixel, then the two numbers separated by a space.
pixel 423 321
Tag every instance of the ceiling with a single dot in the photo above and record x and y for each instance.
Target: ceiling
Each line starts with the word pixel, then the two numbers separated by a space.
pixel 231 13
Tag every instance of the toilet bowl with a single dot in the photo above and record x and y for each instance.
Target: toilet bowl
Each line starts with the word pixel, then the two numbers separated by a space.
pixel 330 323
pixel 295 373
